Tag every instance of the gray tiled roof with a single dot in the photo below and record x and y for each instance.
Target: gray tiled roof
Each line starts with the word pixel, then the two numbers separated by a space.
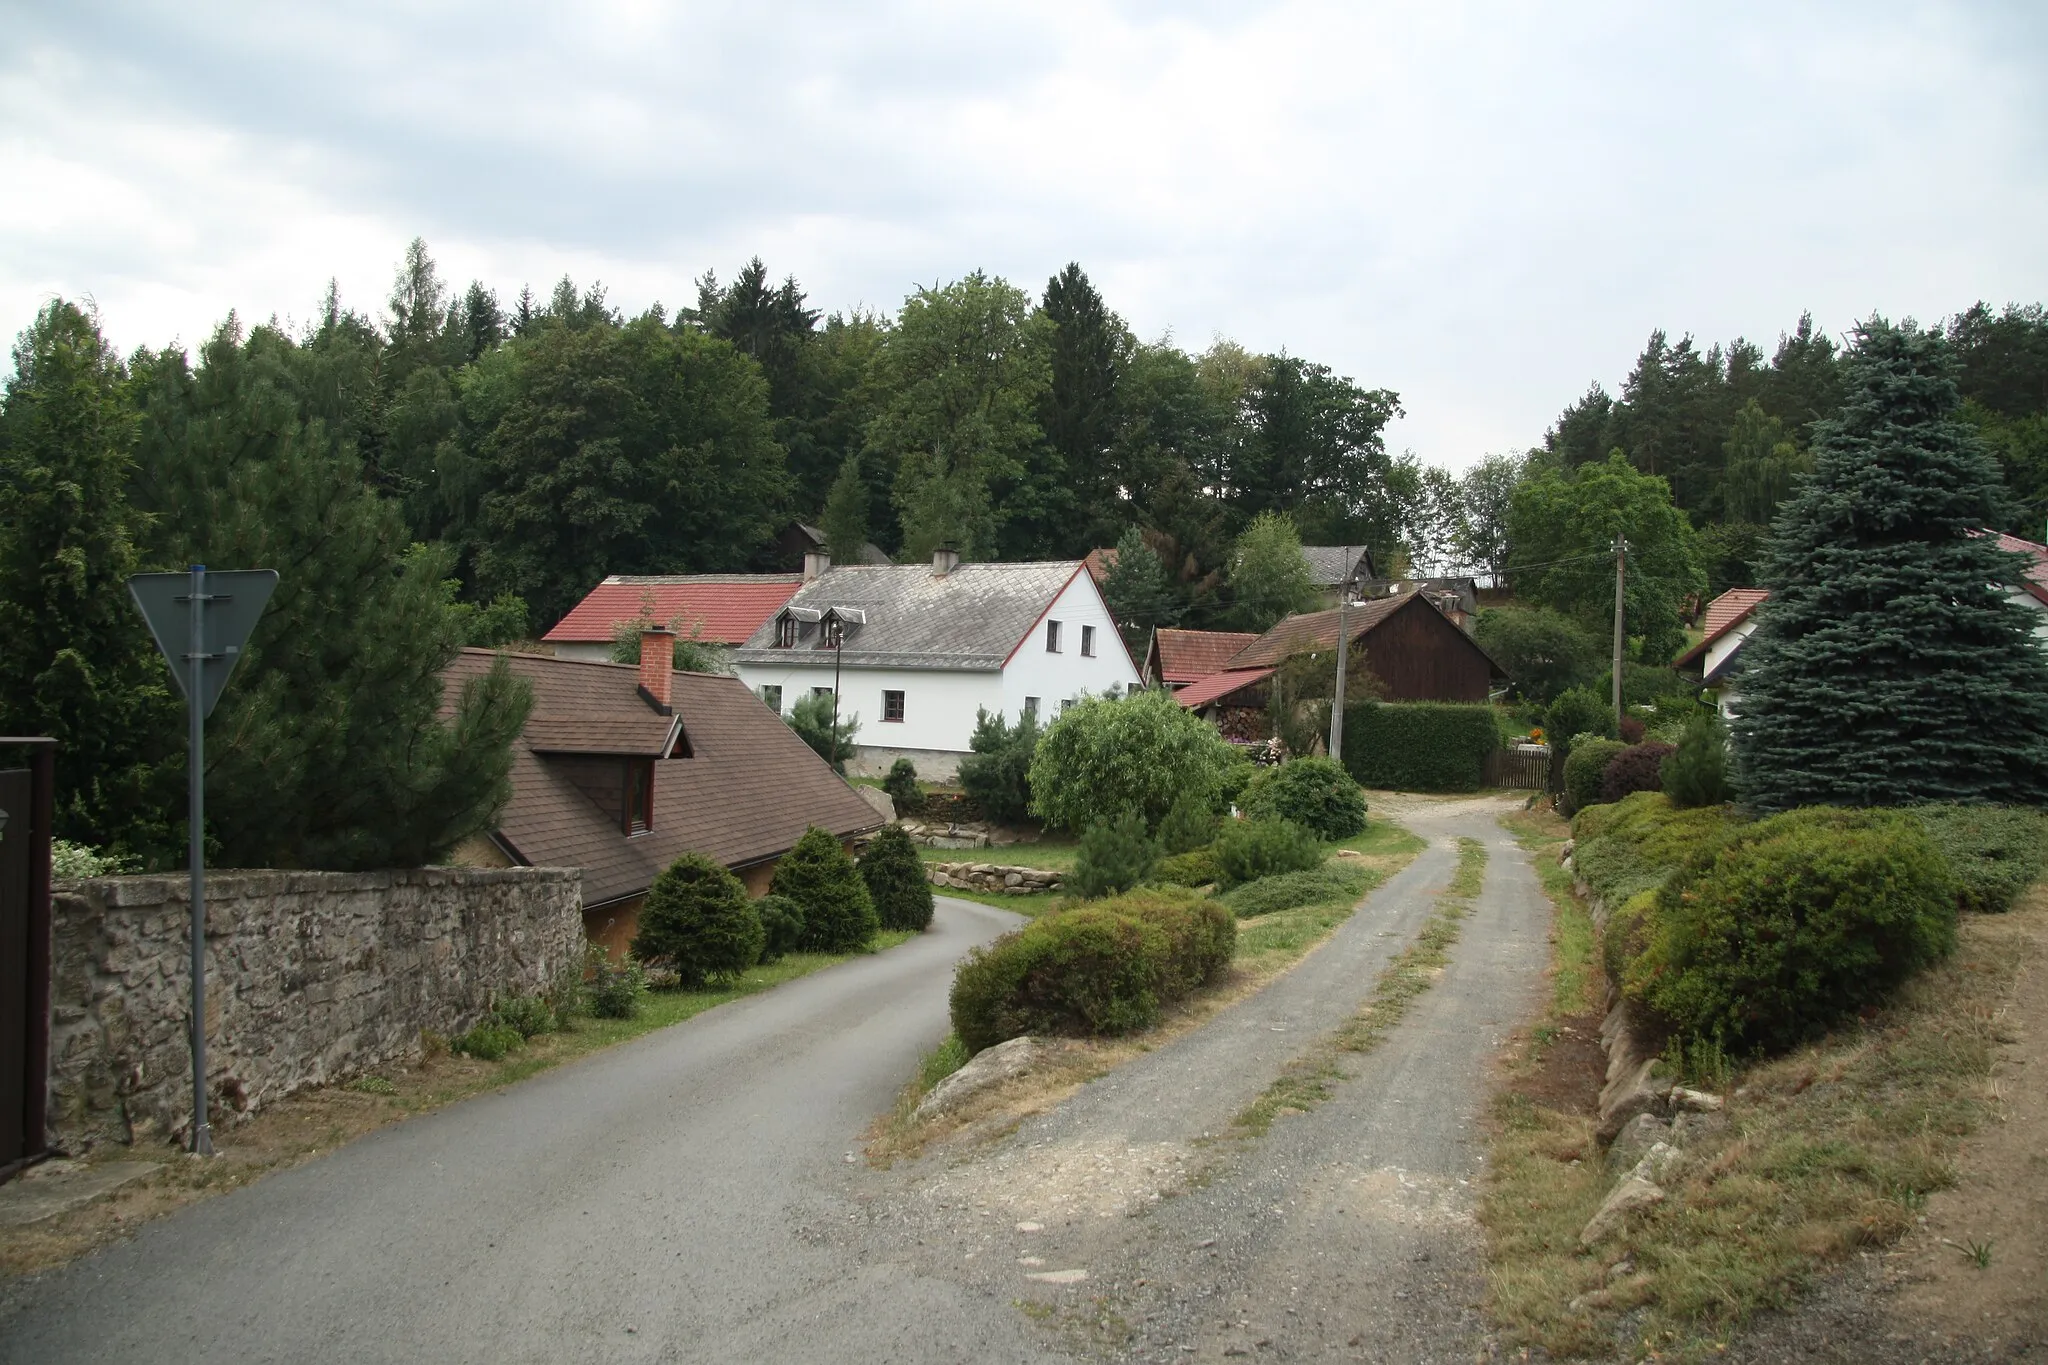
pixel 970 619
pixel 1330 565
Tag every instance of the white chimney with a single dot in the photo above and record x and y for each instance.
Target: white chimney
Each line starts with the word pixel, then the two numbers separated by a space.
pixel 944 561
pixel 816 562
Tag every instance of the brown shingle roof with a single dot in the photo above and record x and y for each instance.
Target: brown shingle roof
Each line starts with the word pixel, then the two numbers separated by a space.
pixel 747 793
pixel 1186 655
pixel 1316 630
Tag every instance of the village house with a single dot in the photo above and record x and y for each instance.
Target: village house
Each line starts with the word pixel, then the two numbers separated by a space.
pixel 718 608
pixel 916 650
pixel 621 769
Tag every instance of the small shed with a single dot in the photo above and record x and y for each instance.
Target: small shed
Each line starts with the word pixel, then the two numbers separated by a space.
pixel 1410 645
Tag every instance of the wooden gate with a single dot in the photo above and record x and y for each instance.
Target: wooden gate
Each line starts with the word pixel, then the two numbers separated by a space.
pixel 25 806
pixel 1518 769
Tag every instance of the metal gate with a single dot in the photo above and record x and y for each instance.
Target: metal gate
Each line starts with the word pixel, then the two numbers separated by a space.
pixel 25 813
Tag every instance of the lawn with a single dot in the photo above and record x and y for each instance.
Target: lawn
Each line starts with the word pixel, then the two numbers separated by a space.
pixel 1055 851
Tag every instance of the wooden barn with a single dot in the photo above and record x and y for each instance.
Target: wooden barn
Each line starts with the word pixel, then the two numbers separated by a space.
pixel 1415 651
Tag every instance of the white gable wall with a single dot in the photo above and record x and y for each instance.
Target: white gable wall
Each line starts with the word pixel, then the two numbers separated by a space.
pixel 1033 671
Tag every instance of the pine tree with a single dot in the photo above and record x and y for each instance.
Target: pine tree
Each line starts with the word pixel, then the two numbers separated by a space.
pixel 1137 591
pixel 1891 665
pixel 845 521
pixel 839 914
pixel 896 882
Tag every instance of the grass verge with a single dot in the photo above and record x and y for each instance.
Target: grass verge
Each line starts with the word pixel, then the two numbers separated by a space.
pixel 1307 1080
pixel 302 1126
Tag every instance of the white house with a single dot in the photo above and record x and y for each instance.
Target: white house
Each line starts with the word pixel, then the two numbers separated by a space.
pixel 921 648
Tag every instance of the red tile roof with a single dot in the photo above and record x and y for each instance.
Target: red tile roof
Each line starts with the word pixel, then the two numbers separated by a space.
pixel 1187 655
pixel 2034 578
pixel 721 608
pixel 1219 685
pixel 746 793
pixel 1722 615
pixel 1099 563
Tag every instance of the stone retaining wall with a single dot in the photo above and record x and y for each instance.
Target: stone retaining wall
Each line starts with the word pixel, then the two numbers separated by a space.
pixel 311 977
pixel 992 877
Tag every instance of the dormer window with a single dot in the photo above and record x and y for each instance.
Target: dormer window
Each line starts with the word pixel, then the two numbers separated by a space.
pixel 835 632
pixel 785 633
pixel 639 796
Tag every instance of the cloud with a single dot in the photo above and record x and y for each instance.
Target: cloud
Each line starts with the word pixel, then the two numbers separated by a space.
pixel 1483 207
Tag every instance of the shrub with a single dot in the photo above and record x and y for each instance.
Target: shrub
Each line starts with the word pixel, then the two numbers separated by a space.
pixel 1088 970
pixel 1993 852
pixel 1291 889
pixel 613 990
pixel 839 915
pixel 528 1014
pixel 903 786
pixel 1247 850
pixel 1639 842
pixel 1194 868
pixel 488 1041
pixel 1577 711
pixel 896 882
pixel 1421 746
pixel 997 775
pixel 782 925
pixel 1105 756
pixel 811 718
pixel 1638 768
pixel 1190 825
pixel 72 862
pixel 1543 650
pixel 1236 778
pixel 1631 730
pixel 1696 772
pixel 1201 937
pixel 1115 855
pixel 1315 793
pixel 698 920
pixel 1793 922
pixel 1584 768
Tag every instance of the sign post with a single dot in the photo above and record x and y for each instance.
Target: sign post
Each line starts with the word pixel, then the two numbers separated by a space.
pixel 201 631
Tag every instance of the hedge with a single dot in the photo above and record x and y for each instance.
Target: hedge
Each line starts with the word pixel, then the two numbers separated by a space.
pixel 1419 746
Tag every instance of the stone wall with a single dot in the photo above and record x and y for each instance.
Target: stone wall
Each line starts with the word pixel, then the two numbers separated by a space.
pixel 992 877
pixel 311 977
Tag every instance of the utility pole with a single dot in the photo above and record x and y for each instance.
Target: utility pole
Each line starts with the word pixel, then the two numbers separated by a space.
pixel 1620 572
pixel 1343 660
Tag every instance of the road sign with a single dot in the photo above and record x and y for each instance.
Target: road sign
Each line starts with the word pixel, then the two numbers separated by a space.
pixel 232 599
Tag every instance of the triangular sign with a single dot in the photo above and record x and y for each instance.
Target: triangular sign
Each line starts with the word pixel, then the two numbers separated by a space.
pixel 232 600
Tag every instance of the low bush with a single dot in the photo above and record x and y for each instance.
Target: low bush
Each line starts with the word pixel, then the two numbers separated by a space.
pixel 1791 923
pixel 1235 779
pixel 1196 867
pixel 1291 889
pixel 896 882
pixel 903 787
pixel 1627 932
pixel 612 990
pixel 1993 852
pixel 1638 768
pixel 1315 793
pixel 1638 843
pixel 1247 850
pixel 839 914
pixel 997 775
pixel 1190 825
pixel 1084 971
pixel 488 1041
pixel 1584 769
pixel 1578 711
pixel 1115 855
pixel 697 919
pixel 1419 746
pixel 1201 937
pixel 1631 730
pixel 782 926
pixel 1696 772
pixel 528 1014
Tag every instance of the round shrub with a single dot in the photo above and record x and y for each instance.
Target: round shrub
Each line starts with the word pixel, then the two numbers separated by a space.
pixel 903 787
pixel 1083 971
pixel 1792 923
pixel 1315 793
pixel 1696 772
pixel 1201 937
pixel 1290 889
pixel 1247 850
pixel 782 919
pixel 611 990
pixel 1115 855
pixel 895 879
pixel 1632 730
pixel 1584 769
pixel 1578 711
pixel 839 915
pixel 1105 756
pixel 1197 868
pixel 1190 825
pixel 1638 768
pixel 698 920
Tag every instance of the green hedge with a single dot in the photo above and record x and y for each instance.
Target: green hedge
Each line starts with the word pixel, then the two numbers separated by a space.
pixel 1267 895
pixel 1419 746
pixel 1995 852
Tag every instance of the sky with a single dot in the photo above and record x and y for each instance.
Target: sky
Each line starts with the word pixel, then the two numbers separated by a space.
pixel 1482 207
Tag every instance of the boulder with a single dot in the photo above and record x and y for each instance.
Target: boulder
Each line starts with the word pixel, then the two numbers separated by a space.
pixel 1696 1101
pixel 884 804
pixel 1635 1139
pixel 989 1067
pixel 1640 1189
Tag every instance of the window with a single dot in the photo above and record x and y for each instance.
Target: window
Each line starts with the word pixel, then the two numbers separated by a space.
pixel 639 803
pixel 785 633
pixel 834 632
pixel 1087 642
pixel 1069 702
pixel 892 706
pixel 1052 637
pixel 821 691
pixel 771 697
pixel 1031 706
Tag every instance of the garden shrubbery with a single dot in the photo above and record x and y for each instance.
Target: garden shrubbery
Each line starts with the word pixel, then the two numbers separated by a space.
pixel 1585 768
pixel 1994 852
pixel 1638 768
pixel 1639 842
pixel 1315 793
pixel 1696 772
pixel 1288 890
pixel 1190 825
pixel 895 880
pixel 1419 746
pixel 1115 855
pixel 611 990
pixel 903 787
pixel 839 914
pixel 782 923
pixel 697 919
pixel 1247 850
pixel 1100 968
pixel 997 775
pixel 1578 711
pixel 1105 756
pixel 1194 868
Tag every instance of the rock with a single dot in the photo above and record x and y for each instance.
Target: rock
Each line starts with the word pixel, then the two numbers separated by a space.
pixel 1564 855
pixel 1658 1164
pixel 1017 878
pixel 884 804
pixel 1634 1092
pixel 1631 1195
pixel 987 1068
pixel 1687 1129
pixel 1698 1101
pixel 1636 1137
pixel 1000 838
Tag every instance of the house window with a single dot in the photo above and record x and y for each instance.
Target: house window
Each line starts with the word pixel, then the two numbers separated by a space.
pixel 1087 642
pixel 771 697
pixel 1031 706
pixel 785 633
pixel 639 804
pixel 821 691
pixel 892 706
pixel 1052 637
pixel 835 633
pixel 1069 702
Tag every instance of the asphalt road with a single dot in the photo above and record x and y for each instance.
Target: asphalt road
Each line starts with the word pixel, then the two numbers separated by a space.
pixel 680 1197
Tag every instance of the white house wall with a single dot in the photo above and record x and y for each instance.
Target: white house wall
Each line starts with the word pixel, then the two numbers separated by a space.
pixel 938 707
pixel 1055 678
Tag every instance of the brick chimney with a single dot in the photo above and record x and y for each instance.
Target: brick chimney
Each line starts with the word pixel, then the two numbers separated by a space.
pixel 657 666
pixel 816 562
pixel 944 561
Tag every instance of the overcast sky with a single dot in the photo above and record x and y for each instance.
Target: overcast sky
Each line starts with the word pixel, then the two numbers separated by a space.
pixel 1483 208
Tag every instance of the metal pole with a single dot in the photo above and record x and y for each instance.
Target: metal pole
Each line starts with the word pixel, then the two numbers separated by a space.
pixel 838 640
pixel 1343 660
pixel 195 662
pixel 1620 570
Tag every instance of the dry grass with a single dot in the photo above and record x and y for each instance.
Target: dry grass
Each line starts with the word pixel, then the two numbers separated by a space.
pixel 1832 1149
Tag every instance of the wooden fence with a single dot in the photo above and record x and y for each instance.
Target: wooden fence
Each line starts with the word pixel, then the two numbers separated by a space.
pixel 1518 769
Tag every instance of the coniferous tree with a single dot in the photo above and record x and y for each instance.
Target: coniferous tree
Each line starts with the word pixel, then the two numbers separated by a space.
pixel 1890 665
pixel 845 522
pixel 1137 592
pixel 1075 496
pixel 839 914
